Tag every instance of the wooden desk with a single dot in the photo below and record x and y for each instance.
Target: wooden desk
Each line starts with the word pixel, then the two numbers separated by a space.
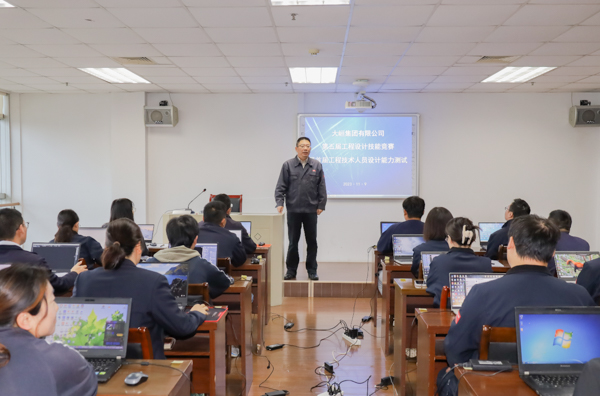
pixel 407 298
pixel 238 297
pixel 499 385
pixel 265 252
pixel 259 289
pixel 391 272
pixel 207 350
pixel 161 380
pixel 433 326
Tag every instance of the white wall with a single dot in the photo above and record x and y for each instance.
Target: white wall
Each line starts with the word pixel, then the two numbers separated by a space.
pixel 478 152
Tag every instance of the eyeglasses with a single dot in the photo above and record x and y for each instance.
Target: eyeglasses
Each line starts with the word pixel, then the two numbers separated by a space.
pixel 304 146
pixel 26 224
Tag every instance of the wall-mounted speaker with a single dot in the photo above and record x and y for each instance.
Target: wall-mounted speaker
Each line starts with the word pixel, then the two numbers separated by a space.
pixel 162 116
pixel 584 116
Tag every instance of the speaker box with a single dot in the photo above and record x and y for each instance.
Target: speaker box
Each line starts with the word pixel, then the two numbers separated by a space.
pixel 162 116
pixel 584 116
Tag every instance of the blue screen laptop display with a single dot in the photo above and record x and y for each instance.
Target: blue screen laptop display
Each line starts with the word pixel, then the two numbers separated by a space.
pixel 487 229
pixel 209 252
pixel 248 226
pixel 559 338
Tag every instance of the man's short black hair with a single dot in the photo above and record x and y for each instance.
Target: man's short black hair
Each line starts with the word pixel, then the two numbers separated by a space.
pixel 10 221
pixel 223 198
pixel 182 231
pixel 519 207
pixel 214 212
pixel 535 237
pixel 561 219
pixel 414 206
pixel 301 139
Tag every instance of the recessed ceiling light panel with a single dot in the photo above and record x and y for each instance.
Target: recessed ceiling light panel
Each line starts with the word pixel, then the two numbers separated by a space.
pixel 517 74
pixel 313 75
pixel 4 4
pixel 308 2
pixel 115 75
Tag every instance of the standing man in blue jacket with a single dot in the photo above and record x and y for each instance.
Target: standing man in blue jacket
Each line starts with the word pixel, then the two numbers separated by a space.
pixel 301 185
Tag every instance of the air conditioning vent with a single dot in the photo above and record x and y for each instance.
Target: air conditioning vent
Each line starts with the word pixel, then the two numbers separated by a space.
pixel 497 59
pixel 139 60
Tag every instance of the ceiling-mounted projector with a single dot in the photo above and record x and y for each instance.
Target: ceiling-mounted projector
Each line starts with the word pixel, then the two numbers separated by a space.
pixel 362 103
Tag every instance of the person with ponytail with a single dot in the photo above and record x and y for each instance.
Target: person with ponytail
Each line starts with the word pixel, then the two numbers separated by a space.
pixel 461 233
pixel 434 233
pixel 153 305
pixel 29 365
pixel 123 208
pixel 68 228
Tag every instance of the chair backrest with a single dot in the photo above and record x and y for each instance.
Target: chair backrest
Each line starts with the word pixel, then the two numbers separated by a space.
pixel 236 202
pixel 502 252
pixel 444 297
pixel 141 336
pixel 498 343
pixel 224 264
pixel 199 289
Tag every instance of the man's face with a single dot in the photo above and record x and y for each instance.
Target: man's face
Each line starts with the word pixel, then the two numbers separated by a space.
pixel 508 215
pixel 303 149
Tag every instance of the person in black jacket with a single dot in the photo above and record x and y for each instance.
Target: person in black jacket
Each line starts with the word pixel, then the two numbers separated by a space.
pixel 528 283
pixel 517 208
pixel 123 208
pixel 567 242
pixel 13 234
pixel 414 207
pixel 460 258
pixel 182 232
pixel 434 233
pixel 589 278
pixel 588 383
pixel 68 227
pixel 153 306
pixel 28 364
pixel 247 242
pixel 212 230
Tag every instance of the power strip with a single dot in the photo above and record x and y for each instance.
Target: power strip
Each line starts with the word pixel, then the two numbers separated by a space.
pixel 351 341
pixel 327 394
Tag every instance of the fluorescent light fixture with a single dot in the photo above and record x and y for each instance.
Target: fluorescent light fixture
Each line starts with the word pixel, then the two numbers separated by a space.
pixel 313 75
pixel 308 2
pixel 517 74
pixel 115 75
pixel 4 4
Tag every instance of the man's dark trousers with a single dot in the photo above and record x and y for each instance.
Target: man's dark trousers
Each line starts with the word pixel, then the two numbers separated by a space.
pixel 295 221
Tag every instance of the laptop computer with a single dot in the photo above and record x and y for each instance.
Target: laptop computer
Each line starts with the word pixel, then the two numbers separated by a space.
pixel 97 328
pixel 2 266
pixel 426 258
pixel 147 231
pixel 485 230
pixel 237 233
pixel 98 233
pixel 208 251
pixel 61 257
pixel 553 344
pixel 404 245
pixel 384 225
pixel 177 276
pixel 248 226
pixel 570 264
pixel 461 284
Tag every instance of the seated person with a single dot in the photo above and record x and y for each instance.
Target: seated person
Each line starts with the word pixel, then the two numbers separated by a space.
pixel 589 278
pixel 517 208
pixel 28 364
pixel 434 233
pixel 589 379
pixel 414 207
pixel 528 283
pixel 13 234
pixel 68 227
pixel 247 242
pixel 567 242
pixel 153 306
pixel 460 258
pixel 212 230
pixel 124 208
pixel 182 232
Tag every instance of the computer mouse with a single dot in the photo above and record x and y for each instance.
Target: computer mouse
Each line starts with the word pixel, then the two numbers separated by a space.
pixel 134 379
pixel 261 244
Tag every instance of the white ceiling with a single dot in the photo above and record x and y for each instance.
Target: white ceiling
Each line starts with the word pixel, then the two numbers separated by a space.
pixel 212 46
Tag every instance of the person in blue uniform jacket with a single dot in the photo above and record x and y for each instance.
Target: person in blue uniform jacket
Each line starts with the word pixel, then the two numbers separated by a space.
pixel 212 230
pixel 124 208
pixel 434 233
pixel 589 278
pixel 68 227
pixel 528 283
pixel 29 365
pixel 13 234
pixel 182 233
pixel 247 242
pixel 153 306
pixel 414 207
pixel 517 208
pixel 460 258
pixel 567 242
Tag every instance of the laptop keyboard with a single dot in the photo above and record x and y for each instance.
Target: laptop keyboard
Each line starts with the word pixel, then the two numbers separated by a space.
pixel 554 381
pixel 102 364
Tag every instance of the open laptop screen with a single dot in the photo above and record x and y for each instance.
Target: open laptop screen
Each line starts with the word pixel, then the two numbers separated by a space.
pixel 93 326
pixel 487 229
pixel 404 244
pixel 461 284
pixel 558 336
pixel 98 233
pixel 237 233
pixel 208 252
pixel 426 258
pixel 570 264
pixel 248 226
pixel 384 225
pixel 176 274
pixel 147 231
pixel 2 266
pixel 59 256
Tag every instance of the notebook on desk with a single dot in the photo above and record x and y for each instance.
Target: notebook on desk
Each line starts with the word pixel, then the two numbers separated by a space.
pixel 485 230
pixel 97 328
pixel 177 276
pixel 426 258
pixel 553 344
pixel 404 245
pixel 461 284
pixel 61 257
pixel 570 264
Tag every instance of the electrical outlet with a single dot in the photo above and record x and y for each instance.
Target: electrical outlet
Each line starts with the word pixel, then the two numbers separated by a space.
pixel 351 341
